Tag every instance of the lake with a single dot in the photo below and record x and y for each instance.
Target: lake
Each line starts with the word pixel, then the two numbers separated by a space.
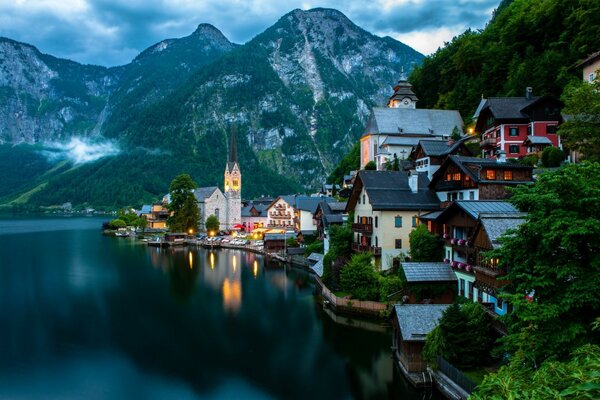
pixel 95 317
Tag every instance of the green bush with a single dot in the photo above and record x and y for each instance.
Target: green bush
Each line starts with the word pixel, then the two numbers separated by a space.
pixel 359 278
pixel 117 223
pixel 424 246
pixel 316 247
pixel 552 157
pixel 389 285
pixel 371 166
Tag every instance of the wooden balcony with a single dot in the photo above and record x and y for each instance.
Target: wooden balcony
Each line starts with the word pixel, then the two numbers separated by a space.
pixel 488 277
pixel 280 216
pixel 362 228
pixel 358 248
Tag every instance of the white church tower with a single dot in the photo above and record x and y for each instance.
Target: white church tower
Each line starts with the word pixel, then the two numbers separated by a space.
pixel 233 186
pixel 403 96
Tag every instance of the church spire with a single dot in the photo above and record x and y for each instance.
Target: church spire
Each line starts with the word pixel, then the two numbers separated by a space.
pixel 233 148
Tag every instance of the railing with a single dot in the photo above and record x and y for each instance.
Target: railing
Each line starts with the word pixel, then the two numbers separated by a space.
pixel 358 248
pixel 280 216
pixel 372 307
pixel 490 142
pixel 449 185
pixel 489 277
pixel 362 228
pixel 456 375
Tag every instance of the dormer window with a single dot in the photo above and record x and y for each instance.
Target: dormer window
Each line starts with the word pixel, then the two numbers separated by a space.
pixel 490 175
pixel 508 175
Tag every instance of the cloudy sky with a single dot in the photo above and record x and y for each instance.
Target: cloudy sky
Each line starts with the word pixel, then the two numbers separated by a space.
pixel 113 32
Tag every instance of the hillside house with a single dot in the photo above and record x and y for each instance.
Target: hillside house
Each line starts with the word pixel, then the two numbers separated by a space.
pixel 429 283
pixel 326 215
pixel 280 213
pixel 429 155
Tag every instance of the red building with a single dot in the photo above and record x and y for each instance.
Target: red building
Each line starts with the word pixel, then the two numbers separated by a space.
pixel 518 125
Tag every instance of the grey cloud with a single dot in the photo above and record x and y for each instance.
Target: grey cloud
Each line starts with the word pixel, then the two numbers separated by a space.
pixel 113 32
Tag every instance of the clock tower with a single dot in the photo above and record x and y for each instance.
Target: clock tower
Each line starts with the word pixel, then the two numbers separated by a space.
pixel 233 186
pixel 403 96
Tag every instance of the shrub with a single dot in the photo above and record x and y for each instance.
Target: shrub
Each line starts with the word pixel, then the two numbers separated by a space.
pixel 117 223
pixel 390 285
pixel 424 246
pixel 359 278
pixel 552 157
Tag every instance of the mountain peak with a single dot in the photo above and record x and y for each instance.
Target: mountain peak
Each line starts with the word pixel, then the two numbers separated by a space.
pixel 207 29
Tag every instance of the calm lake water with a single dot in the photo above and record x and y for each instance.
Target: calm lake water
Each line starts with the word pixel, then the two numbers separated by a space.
pixel 94 317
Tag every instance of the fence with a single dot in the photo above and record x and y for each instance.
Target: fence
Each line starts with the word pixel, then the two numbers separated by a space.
pixel 354 306
pixel 456 375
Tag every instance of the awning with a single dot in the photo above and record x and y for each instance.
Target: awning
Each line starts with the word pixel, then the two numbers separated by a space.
pixel 239 226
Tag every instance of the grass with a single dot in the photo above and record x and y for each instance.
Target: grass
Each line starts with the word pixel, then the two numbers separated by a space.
pixel 477 375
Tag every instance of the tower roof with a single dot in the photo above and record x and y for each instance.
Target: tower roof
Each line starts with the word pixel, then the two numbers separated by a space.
pixel 233 159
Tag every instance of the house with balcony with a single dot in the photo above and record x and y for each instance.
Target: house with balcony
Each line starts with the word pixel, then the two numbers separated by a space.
pixel 327 215
pixel 460 224
pixel 386 207
pixel 429 155
pixel 254 216
pixel 280 213
pixel 489 273
pixel 304 211
pixel 156 215
pixel 516 125
pixel 471 178
pixel 428 283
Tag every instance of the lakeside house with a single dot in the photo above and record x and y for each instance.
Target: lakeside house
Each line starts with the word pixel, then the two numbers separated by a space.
pixel 254 216
pixel 518 125
pixel 392 132
pixel 156 215
pixel 460 225
pixel 429 283
pixel 304 211
pixel 387 206
pixel 471 178
pixel 280 213
pixel 411 324
pixel 326 215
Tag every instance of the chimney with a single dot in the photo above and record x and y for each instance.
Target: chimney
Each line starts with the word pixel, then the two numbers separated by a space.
pixel 413 181
pixel 501 156
pixel 529 93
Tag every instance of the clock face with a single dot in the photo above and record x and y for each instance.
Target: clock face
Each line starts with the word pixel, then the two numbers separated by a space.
pixel 406 101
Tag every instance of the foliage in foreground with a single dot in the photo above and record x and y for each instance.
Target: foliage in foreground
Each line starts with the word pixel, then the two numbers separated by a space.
pixel 424 246
pixel 578 378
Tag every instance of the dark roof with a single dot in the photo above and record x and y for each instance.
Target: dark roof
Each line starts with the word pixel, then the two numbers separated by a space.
pixel 439 148
pixel 403 121
pixel 430 215
pixel 308 203
pixel 389 190
pixel 204 192
pixel 428 272
pixel 233 148
pixel 475 207
pixel 260 208
pixel 589 59
pixel 277 236
pixel 417 320
pixel 464 163
pixel 509 107
pixel 403 89
pixel 497 224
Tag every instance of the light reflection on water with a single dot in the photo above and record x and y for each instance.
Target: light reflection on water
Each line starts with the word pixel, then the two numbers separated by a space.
pixel 88 316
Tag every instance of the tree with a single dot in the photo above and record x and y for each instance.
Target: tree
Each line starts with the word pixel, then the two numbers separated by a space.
pixel 554 261
pixel 183 205
pixel 424 246
pixel 212 223
pixel 359 278
pixel 396 163
pixel 456 135
pixel 117 223
pixel 581 131
pixel 552 157
pixel 371 166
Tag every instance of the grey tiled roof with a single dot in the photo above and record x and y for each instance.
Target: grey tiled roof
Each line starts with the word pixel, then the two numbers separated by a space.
pixel 308 203
pixel 464 163
pixel 261 208
pixel 428 272
pixel 438 148
pixel 538 140
pixel 476 207
pixel 430 215
pixel 202 193
pixel 315 257
pixel 389 190
pixel 318 268
pixel 509 107
pixel 397 121
pixel 496 225
pixel 417 320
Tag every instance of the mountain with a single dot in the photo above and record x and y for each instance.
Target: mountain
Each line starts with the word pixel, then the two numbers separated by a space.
pixel 298 95
pixel 526 43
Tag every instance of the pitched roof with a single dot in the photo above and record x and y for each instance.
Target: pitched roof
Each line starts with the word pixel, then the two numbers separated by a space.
pixel 509 107
pixel 496 225
pixel 308 203
pixel 463 163
pixel 409 121
pixel 260 208
pixel 538 140
pixel 439 148
pixel 428 272
pixel 389 190
pixel 475 207
pixel 203 193
pixel 417 320
pixel 589 59
pixel 146 209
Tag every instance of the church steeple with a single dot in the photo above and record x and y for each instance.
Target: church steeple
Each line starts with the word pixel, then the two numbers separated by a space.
pixel 403 96
pixel 233 176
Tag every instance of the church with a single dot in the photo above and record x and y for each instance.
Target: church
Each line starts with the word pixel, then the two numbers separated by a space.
pixel 394 131
pixel 226 205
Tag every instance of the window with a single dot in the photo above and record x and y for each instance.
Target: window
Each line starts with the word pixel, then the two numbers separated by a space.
pixel 398 221
pixel 375 222
pixel 591 77
pixel 376 242
pixel 415 221
pixel 498 133
pixel 456 176
pixel 471 195
pixel 513 149
pixel 461 195
pixel 235 182
pixel 398 243
pixel 470 289
pixel 364 199
pixel 448 177
pixel 508 175
pixel 550 128
pixel 217 213
pixel 490 174
pixel 448 197
pixel 529 130
pixel 513 131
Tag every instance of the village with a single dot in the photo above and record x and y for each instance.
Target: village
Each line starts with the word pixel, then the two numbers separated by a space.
pixel 425 215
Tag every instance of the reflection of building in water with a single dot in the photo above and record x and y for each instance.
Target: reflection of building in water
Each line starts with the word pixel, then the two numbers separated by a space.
pixel 232 295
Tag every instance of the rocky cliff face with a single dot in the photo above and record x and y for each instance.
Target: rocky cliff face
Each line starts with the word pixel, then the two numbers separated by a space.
pixel 298 95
